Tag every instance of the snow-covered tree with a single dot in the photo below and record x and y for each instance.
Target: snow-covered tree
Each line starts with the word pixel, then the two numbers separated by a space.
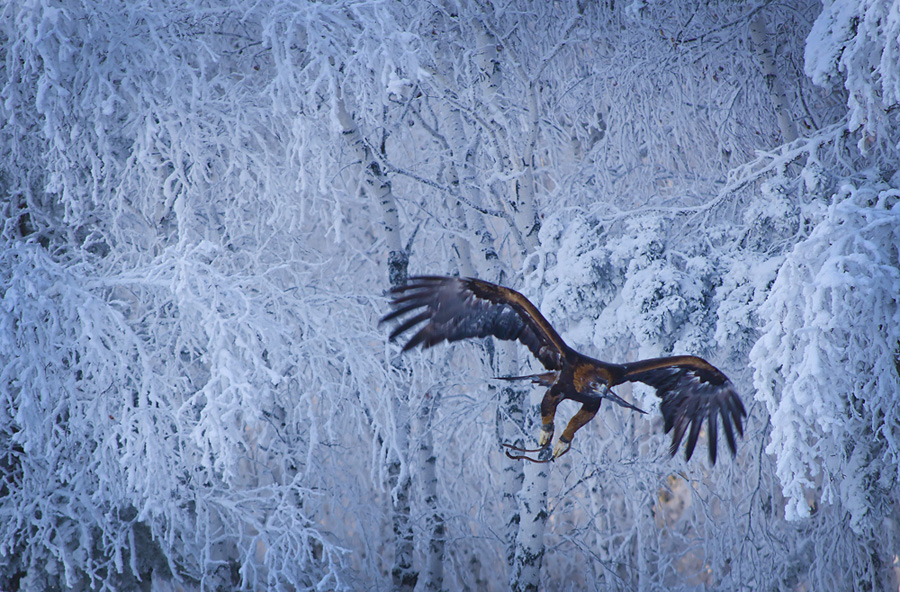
pixel 202 206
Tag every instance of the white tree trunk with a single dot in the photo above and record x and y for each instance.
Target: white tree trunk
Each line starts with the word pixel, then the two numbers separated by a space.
pixel 403 572
pixel 379 187
pixel 762 47
pixel 511 432
pixel 432 576
pixel 532 498
pixel 523 192
pixel 531 480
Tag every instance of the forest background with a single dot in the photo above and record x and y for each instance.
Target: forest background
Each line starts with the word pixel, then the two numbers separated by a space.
pixel 202 205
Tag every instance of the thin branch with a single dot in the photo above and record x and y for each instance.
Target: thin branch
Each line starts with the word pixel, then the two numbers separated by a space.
pixel 745 174
pixel 748 15
pixel 443 188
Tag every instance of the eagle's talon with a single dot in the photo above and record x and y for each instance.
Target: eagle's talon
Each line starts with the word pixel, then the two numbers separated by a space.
pixel 546 435
pixel 561 448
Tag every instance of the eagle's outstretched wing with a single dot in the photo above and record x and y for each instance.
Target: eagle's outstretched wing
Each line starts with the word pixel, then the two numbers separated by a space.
pixel 459 308
pixel 692 390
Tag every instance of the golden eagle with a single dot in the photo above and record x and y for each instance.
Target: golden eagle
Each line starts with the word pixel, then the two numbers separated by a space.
pixel 691 388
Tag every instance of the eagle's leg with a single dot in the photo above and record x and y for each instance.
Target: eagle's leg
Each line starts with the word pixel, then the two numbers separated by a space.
pixel 581 417
pixel 548 411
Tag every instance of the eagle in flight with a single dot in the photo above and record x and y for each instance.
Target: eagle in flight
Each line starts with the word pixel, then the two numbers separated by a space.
pixel 691 388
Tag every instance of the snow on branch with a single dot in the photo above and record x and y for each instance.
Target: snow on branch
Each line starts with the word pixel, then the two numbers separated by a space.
pixel 826 362
pixel 857 44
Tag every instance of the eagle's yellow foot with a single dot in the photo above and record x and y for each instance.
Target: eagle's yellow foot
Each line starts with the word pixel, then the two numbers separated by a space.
pixel 561 448
pixel 546 435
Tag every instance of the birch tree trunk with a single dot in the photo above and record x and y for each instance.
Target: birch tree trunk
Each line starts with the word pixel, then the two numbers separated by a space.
pixel 432 576
pixel 762 48
pixel 482 252
pixel 532 500
pixel 532 497
pixel 510 429
pixel 530 481
pixel 403 573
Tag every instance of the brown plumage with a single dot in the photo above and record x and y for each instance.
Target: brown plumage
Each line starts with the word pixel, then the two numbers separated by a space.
pixel 692 390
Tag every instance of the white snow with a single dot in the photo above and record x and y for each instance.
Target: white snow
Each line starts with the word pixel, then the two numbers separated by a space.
pixel 197 208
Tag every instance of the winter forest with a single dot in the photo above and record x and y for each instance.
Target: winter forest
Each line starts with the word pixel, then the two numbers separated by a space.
pixel 203 205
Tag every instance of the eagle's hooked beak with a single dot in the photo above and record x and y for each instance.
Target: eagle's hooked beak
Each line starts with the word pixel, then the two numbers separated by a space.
pixel 606 393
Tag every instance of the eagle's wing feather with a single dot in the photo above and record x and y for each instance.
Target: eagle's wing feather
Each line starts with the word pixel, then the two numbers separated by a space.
pixel 460 308
pixel 692 390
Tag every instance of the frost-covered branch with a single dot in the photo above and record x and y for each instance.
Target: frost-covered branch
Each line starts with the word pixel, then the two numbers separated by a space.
pixel 195 390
